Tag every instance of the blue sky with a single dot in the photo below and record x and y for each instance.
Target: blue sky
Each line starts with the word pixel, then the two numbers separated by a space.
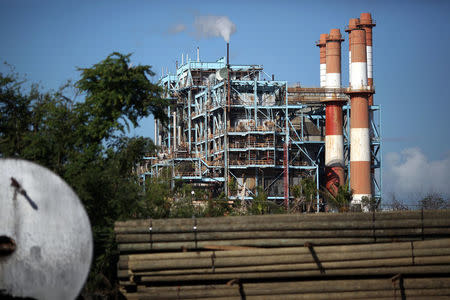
pixel 47 40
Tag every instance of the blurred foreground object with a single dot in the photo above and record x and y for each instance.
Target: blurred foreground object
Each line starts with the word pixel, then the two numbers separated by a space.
pixel 45 234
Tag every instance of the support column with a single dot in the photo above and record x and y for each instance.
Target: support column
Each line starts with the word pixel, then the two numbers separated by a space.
pixel 155 140
pixel 174 131
pixel 286 153
pixel 169 148
pixel 189 121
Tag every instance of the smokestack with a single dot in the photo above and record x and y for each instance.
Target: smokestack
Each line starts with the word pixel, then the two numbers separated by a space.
pixel 359 91
pixel 323 67
pixel 367 24
pixel 228 54
pixel 273 77
pixel 176 65
pixel 333 59
pixel 353 24
pixel 182 59
pixel 198 54
pixel 334 139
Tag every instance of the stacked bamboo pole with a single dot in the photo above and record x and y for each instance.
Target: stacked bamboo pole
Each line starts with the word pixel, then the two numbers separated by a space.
pixel 309 248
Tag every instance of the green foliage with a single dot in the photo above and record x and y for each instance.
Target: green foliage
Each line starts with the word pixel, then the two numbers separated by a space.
pixel 260 205
pixel 341 200
pixel 217 207
pixel 372 204
pixel 296 191
pixel 233 185
pixel 116 91
pixel 309 189
pixel 79 141
pixel 15 114
pixel 304 195
pixel 157 198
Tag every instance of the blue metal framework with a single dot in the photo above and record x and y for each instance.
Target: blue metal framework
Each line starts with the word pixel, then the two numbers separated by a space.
pixel 247 137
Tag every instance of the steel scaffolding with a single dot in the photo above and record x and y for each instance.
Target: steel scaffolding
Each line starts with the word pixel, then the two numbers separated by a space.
pixel 233 128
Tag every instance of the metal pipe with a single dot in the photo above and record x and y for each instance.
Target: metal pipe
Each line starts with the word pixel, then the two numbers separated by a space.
pixel 169 148
pixel 174 131
pixel 228 54
pixel 286 153
pixel 227 123
pixel 156 133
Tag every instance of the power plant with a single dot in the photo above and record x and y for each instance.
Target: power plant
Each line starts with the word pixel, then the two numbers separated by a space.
pixel 235 129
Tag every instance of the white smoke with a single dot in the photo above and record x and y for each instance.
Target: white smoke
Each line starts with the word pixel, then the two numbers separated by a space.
pixel 410 172
pixel 177 28
pixel 214 26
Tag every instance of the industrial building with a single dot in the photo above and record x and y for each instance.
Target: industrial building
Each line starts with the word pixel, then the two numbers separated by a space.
pixel 234 128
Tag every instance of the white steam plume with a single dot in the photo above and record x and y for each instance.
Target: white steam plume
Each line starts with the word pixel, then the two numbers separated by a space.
pixel 177 28
pixel 212 26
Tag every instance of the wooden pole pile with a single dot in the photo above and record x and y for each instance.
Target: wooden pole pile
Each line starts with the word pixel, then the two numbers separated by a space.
pixel 280 230
pixel 323 261
pixel 385 288
pixel 286 256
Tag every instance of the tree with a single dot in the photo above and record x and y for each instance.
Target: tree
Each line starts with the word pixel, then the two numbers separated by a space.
pixel 83 142
pixel 341 201
pixel 118 93
pixel 397 204
pixel 15 114
pixel 372 203
pixel 434 201
pixel 260 205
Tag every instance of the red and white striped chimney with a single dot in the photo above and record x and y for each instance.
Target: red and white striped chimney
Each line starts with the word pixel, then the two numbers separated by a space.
pixel 334 140
pixel 351 25
pixel 359 91
pixel 367 24
pixel 323 67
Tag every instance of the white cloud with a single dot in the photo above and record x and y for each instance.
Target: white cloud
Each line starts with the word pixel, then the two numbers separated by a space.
pixel 410 172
